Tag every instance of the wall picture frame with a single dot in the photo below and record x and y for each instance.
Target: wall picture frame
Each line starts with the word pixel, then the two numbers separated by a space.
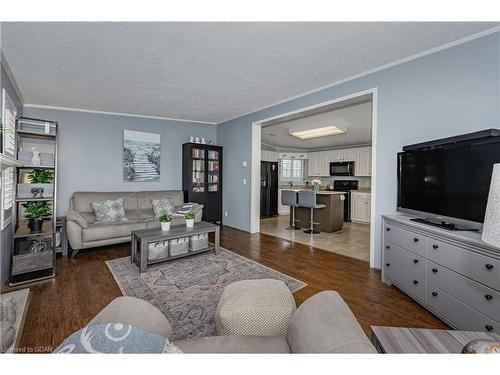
pixel 141 156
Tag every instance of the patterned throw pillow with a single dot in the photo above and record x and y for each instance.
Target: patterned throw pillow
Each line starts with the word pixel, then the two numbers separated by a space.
pixel 163 206
pixel 109 211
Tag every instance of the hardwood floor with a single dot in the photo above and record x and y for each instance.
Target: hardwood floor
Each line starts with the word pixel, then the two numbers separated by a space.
pixel 84 286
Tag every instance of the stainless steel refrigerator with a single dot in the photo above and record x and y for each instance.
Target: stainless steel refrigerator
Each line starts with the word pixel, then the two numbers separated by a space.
pixel 268 189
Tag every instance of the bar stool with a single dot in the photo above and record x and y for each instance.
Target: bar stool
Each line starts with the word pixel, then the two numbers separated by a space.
pixel 307 199
pixel 289 198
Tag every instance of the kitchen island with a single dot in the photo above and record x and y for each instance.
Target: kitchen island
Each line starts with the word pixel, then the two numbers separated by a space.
pixel 330 218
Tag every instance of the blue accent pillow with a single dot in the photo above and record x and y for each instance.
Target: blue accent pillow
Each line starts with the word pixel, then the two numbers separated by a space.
pixel 115 338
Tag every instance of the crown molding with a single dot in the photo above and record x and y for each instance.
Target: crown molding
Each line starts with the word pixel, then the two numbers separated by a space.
pixel 377 69
pixel 6 66
pixel 71 109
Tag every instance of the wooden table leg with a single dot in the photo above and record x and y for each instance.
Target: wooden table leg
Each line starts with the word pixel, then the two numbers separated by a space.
pixel 144 256
pixel 217 240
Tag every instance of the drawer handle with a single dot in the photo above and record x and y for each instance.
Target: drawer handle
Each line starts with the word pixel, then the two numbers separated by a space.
pixel 434 270
pixel 489 297
pixel 387 264
pixel 488 327
pixel 434 294
pixel 388 229
pixel 387 247
pixel 435 247
pixel 415 261
pixel 489 266
pixel 415 239
pixel 415 282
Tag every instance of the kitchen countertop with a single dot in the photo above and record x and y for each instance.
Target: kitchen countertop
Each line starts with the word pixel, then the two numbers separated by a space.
pixel 363 190
pixel 323 192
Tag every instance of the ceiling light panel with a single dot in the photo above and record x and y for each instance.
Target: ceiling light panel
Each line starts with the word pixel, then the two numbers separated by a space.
pixel 324 131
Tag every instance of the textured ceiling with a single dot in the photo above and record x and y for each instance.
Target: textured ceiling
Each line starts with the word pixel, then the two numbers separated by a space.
pixel 356 120
pixel 203 71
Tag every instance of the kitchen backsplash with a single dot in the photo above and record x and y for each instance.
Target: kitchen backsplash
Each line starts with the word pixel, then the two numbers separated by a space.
pixel 364 182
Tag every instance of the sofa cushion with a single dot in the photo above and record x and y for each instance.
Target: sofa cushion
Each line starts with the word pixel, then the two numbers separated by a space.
pixel 234 344
pixel 163 206
pixel 144 198
pixel 82 200
pixel 109 211
pixel 325 324
pixel 97 232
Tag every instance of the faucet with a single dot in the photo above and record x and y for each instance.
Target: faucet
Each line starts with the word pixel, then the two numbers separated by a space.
pixel 291 183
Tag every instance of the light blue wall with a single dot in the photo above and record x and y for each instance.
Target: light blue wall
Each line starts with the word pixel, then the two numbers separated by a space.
pixel 6 234
pixel 450 92
pixel 90 150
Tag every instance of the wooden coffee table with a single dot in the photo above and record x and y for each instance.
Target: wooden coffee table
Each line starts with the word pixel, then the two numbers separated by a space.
pixel 417 340
pixel 142 238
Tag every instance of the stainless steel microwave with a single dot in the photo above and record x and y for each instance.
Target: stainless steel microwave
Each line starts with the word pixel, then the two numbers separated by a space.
pixel 342 168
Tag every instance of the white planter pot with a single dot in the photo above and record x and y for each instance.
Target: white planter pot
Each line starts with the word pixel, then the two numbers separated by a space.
pixel 189 223
pixel 166 225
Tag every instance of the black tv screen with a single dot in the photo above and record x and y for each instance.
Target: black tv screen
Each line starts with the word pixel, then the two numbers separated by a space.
pixel 451 180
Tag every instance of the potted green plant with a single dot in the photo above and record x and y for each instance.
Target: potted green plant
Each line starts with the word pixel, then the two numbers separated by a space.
pixel 40 185
pixel 165 221
pixel 189 216
pixel 35 213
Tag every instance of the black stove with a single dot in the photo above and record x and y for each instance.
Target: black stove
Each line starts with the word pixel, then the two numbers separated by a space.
pixel 347 186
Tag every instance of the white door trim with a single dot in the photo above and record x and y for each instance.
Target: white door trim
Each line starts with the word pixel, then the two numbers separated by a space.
pixel 256 148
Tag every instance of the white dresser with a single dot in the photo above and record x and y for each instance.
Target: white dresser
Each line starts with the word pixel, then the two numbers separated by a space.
pixel 453 274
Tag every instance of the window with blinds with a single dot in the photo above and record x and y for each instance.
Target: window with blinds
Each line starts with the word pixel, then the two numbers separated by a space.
pixel 292 170
pixel 8 126
pixel 7 196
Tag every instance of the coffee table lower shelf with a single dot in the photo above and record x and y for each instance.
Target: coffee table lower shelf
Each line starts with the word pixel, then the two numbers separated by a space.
pixel 139 252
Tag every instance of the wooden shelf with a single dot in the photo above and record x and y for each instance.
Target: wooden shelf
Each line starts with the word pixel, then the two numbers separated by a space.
pixel 7 162
pixel 27 166
pixel 34 199
pixel 34 134
pixel 24 231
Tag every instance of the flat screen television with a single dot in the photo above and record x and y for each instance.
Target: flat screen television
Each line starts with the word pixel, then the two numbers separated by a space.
pixel 448 182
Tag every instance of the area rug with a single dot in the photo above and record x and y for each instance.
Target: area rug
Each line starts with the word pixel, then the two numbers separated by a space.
pixel 187 290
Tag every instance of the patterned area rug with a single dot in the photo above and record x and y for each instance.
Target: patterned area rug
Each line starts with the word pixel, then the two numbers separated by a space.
pixel 187 290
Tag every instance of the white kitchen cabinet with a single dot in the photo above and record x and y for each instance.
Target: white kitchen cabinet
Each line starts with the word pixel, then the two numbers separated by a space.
pixel 324 159
pixel 360 207
pixel 336 155
pixel 268 155
pixel 313 164
pixel 363 162
pixel 349 154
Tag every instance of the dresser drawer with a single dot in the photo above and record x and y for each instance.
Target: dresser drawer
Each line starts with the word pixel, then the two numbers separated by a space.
pixel 411 284
pixel 482 298
pixel 475 266
pixel 463 316
pixel 405 239
pixel 411 261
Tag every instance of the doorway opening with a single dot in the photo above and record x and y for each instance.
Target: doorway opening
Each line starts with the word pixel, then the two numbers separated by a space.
pixel 311 153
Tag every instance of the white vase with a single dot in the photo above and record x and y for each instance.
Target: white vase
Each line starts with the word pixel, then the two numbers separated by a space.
pixel 189 223
pixel 165 225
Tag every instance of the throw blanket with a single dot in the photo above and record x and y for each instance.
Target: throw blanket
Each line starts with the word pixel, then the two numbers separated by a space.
pixel 186 207
pixel 115 338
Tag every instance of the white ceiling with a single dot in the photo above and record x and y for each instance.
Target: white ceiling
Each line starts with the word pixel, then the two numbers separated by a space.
pixel 203 71
pixel 356 120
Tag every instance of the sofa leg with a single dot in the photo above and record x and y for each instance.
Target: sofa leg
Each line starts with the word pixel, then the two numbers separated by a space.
pixel 74 252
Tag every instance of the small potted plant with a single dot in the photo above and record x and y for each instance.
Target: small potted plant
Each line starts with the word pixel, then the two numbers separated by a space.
pixel 165 221
pixel 40 186
pixel 189 216
pixel 35 213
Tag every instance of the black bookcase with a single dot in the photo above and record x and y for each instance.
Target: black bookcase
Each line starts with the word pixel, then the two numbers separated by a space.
pixel 202 178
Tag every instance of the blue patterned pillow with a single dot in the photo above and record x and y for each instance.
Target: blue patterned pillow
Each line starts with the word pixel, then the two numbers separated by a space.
pixel 163 206
pixel 115 338
pixel 109 211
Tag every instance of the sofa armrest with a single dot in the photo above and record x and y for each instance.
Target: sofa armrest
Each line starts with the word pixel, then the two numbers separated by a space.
pixel 325 324
pixel 77 218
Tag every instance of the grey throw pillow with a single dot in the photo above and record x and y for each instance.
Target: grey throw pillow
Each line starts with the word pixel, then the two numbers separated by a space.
pixel 109 211
pixel 163 206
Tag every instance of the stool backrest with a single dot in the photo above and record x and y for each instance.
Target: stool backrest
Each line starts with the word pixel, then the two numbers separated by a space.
pixel 289 198
pixel 307 198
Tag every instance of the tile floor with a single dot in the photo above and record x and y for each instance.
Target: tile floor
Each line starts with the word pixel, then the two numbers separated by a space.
pixel 352 241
